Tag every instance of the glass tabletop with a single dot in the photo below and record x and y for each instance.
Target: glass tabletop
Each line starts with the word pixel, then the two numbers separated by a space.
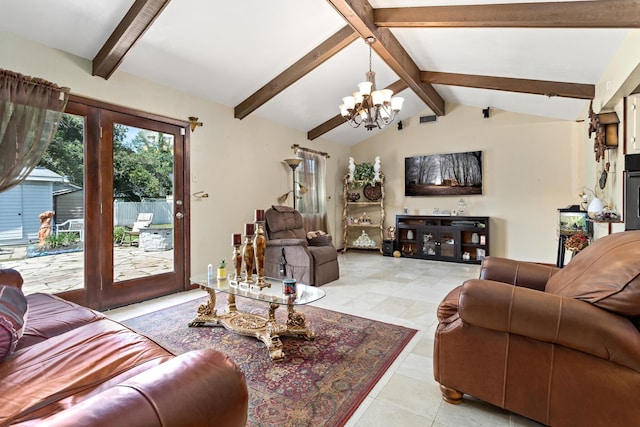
pixel 275 294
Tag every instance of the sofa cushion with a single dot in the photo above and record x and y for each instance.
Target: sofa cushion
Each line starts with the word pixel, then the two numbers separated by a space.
pixel 50 315
pixel 605 273
pixel 13 308
pixel 55 374
pixel 284 222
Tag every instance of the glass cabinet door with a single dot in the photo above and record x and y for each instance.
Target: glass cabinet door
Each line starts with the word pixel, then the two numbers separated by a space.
pixel 447 244
pixel 429 244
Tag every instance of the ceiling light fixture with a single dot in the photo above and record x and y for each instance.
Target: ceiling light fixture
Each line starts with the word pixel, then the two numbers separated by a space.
pixel 368 106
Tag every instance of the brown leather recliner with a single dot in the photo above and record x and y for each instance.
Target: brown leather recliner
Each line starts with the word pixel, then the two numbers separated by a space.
pixel 309 261
pixel 561 347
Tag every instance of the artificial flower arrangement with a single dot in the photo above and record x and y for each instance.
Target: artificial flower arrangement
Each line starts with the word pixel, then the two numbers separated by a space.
pixel 576 242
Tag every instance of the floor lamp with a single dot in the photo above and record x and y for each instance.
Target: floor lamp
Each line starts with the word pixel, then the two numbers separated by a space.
pixel 293 164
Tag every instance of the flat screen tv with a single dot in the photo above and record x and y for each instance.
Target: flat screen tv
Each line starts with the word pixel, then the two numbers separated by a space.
pixel 452 174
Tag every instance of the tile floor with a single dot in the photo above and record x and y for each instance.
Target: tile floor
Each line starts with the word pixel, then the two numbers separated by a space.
pixel 400 291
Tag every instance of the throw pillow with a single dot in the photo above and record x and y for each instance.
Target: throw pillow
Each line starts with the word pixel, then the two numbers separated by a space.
pixel 13 309
pixel 605 274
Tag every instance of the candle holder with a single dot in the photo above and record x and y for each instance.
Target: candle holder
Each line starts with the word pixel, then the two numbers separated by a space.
pixel 248 255
pixel 260 243
pixel 236 256
pixel 237 263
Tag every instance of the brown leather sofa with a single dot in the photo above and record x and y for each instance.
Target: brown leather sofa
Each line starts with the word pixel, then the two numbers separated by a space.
pixel 75 367
pixel 559 346
pixel 310 261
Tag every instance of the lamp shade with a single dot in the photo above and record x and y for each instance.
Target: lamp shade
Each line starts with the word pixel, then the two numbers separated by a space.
pixel 396 103
pixel 377 96
pixel 349 102
pixel 365 88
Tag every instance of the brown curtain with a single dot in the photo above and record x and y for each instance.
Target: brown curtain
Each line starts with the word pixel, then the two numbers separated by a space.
pixel 30 109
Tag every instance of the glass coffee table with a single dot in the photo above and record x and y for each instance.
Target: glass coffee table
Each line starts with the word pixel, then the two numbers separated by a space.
pixel 265 328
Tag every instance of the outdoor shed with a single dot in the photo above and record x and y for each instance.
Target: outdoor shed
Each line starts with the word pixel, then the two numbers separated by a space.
pixel 21 206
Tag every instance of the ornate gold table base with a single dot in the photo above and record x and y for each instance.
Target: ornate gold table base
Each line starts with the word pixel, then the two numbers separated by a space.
pixel 266 329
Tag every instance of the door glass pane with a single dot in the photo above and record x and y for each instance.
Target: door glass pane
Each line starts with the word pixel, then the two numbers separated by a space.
pixel 42 219
pixel 143 190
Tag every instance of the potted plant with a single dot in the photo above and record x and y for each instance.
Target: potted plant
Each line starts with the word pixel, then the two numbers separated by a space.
pixel 222 270
pixel 363 174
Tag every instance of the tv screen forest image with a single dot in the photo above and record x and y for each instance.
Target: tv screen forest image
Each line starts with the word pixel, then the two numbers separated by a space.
pixel 451 174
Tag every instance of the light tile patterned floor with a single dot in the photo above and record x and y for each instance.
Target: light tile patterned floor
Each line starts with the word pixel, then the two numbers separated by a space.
pixel 400 291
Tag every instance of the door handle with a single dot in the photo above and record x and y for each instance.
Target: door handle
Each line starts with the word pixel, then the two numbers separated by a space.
pixel 179 215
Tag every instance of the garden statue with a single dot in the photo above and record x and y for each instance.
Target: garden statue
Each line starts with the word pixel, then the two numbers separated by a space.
pixel 376 170
pixel 352 168
pixel 45 226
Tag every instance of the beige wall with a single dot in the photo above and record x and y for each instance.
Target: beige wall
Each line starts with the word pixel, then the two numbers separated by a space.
pixel 532 167
pixel 238 162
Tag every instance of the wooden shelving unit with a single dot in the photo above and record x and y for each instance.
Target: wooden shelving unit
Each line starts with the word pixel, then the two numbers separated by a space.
pixel 355 214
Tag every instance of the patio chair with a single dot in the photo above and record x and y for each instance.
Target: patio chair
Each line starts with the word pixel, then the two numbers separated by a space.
pixel 143 221
pixel 72 226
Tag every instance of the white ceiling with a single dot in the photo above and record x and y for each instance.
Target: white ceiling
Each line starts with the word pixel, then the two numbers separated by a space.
pixel 225 51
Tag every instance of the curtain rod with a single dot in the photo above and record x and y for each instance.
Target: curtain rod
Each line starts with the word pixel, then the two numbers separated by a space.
pixel 295 147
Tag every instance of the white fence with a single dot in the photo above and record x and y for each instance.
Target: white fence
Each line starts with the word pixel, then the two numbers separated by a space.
pixel 125 213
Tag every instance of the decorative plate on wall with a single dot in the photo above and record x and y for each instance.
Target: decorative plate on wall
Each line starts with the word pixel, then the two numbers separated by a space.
pixel 372 192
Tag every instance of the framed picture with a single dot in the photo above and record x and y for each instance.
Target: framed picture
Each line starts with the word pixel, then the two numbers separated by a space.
pixel 453 174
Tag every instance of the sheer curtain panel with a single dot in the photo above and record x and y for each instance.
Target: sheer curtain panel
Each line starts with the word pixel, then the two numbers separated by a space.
pixel 30 110
pixel 312 205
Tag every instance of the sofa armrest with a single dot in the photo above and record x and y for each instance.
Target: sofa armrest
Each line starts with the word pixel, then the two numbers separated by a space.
pixel 518 273
pixel 550 318
pixel 324 240
pixel 201 387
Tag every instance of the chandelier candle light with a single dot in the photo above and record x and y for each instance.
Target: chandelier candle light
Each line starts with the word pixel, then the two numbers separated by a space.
pixel 368 106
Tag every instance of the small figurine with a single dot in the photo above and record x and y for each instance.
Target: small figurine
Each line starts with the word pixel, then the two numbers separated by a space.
pixel 376 169
pixel 352 169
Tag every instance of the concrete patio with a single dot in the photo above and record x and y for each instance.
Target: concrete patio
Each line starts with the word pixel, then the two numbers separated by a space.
pixel 64 272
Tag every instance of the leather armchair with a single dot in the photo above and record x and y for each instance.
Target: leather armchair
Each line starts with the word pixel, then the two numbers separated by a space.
pixel 309 261
pixel 560 346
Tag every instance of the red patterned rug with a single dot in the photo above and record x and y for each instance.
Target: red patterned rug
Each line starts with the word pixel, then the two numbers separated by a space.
pixel 319 383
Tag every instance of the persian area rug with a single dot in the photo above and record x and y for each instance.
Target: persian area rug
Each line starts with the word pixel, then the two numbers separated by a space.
pixel 319 383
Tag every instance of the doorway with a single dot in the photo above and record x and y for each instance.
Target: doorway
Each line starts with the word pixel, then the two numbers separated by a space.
pixel 135 168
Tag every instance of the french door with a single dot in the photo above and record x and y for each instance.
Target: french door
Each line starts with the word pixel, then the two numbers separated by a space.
pixel 135 168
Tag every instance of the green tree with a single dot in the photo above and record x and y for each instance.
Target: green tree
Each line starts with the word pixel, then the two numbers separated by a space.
pixel 142 165
pixel 66 151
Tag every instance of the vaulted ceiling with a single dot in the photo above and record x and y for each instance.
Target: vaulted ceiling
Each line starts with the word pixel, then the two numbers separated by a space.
pixel 292 61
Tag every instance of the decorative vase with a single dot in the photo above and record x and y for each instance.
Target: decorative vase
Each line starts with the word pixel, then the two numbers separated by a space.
pixel 475 238
pixel 595 207
pixel 409 234
pixel 260 243
pixel 236 256
pixel 248 253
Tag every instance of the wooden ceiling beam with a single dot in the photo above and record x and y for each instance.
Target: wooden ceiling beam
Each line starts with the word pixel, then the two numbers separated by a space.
pixel 568 14
pixel 306 64
pixel 134 24
pixel 335 121
pixel 538 87
pixel 359 14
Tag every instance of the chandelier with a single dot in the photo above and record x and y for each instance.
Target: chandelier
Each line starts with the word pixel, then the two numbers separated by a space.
pixel 368 106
